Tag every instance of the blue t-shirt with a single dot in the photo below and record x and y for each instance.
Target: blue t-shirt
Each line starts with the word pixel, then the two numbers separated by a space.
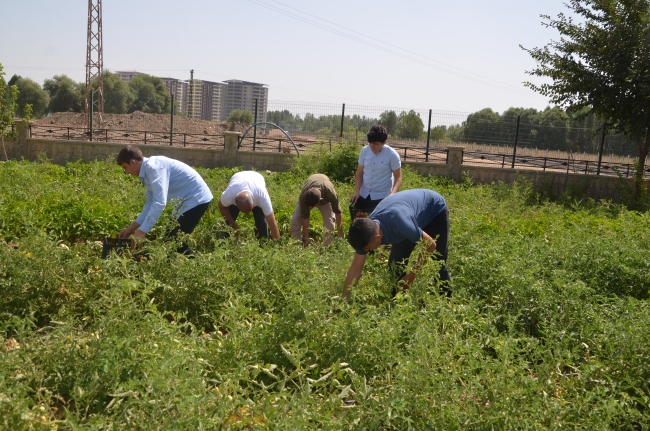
pixel 402 216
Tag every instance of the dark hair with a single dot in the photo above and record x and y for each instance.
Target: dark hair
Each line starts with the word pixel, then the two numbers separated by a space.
pixel 129 153
pixel 361 232
pixel 377 133
pixel 312 197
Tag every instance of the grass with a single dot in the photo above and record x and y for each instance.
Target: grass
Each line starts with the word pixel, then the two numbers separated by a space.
pixel 548 326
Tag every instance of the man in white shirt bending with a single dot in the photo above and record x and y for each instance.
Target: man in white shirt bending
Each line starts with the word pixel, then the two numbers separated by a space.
pixel 247 193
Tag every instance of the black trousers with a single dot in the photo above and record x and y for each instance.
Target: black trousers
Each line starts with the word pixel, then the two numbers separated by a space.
pixel 261 227
pixel 187 222
pixel 367 204
pixel 437 228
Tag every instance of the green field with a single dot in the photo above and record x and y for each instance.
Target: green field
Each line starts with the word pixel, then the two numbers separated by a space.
pixel 548 328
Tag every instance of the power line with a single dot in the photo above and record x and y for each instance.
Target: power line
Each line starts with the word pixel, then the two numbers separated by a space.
pixel 505 87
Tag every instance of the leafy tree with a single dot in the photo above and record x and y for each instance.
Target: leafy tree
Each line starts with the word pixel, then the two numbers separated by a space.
pixel 8 104
pixel 438 133
pixel 388 119
pixel 13 80
pixel 409 125
pixel 31 93
pixel 601 64
pixel 240 116
pixel 150 95
pixel 117 94
pixel 66 95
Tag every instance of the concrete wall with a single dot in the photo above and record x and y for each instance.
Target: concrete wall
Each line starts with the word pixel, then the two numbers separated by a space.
pixel 61 152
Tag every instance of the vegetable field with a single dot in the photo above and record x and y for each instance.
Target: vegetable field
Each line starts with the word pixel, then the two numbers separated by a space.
pixel 548 327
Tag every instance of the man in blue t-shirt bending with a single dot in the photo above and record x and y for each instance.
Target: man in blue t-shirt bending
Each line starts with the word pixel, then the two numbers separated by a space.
pixel 402 220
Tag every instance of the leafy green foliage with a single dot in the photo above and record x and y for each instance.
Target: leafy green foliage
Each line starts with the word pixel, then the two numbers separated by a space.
pixel 31 93
pixel 339 164
pixel 117 94
pixel 149 95
pixel 66 95
pixel 548 325
pixel 240 116
pixel 600 65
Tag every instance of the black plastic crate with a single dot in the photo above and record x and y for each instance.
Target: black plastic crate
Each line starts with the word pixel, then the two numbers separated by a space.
pixel 115 244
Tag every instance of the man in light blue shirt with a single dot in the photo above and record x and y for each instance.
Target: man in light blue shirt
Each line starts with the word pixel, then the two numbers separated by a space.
pixel 379 173
pixel 165 179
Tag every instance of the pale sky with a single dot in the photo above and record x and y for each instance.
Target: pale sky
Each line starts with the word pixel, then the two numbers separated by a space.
pixel 406 54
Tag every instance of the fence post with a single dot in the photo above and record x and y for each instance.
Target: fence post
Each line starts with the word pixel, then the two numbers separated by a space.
pixel 514 151
pixel 92 112
pixel 342 117
pixel 106 135
pixel 426 159
pixel 255 127
pixel 145 138
pixel 602 144
pixel 171 125
pixel 68 133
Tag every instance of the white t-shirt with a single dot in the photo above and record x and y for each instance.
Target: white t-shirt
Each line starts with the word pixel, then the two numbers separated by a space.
pixel 248 181
pixel 378 171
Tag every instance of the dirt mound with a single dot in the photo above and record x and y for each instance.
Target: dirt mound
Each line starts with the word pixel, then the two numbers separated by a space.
pixel 142 121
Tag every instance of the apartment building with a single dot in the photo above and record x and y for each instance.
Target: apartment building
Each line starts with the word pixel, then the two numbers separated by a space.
pixel 212 101
pixel 179 90
pixel 242 95
pixel 126 76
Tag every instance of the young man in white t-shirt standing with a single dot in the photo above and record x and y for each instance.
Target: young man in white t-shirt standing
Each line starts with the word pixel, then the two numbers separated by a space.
pixel 379 173
pixel 247 193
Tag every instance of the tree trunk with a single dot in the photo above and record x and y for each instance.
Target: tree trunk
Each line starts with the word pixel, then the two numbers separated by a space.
pixel 643 147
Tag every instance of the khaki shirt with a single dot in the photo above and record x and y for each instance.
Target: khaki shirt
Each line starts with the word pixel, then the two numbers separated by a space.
pixel 327 193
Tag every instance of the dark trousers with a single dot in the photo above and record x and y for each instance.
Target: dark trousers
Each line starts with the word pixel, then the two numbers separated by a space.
pixel 261 228
pixel 367 204
pixel 187 222
pixel 437 228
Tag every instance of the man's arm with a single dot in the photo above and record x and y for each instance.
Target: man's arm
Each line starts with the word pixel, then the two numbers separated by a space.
pixel 358 179
pixel 127 232
pixel 410 277
pixel 225 212
pixel 273 226
pixel 339 224
pixel 397 180
pixel 305 231
pixel 354 273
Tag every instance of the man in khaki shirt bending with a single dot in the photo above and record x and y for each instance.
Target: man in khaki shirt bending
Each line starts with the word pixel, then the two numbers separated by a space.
pixel 318 191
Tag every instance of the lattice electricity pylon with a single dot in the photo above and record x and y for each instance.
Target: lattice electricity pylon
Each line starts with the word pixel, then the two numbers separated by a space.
pixel 94 60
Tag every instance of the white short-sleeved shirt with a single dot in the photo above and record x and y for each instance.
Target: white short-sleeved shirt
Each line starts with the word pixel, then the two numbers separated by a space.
pixel 248 181
pixel 378 171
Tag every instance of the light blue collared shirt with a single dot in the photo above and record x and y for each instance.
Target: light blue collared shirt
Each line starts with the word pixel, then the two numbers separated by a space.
pixel 378 171
pixel 168 179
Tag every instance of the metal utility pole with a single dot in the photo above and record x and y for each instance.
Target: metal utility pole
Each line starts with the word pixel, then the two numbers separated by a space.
pixel 94 61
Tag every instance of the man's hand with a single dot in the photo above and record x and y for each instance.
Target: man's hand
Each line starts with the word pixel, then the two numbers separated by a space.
pixel 127 232
pixel 139 235
pixel 405 282
pixel 305 242
pixel 354 197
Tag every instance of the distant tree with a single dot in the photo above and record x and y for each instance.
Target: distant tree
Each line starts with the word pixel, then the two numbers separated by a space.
pixel 409 125
pixel 482 127
pixel 31 93
pixel 150 95
pixel 438 133
pixel 601 63
pixel 388 119
pixel 8 104
pixel 240 116
pixel 13 80
pixel 117 94
pixel 66 95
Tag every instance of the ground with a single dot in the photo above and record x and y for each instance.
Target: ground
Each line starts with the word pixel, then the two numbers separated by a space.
pixel 141 121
